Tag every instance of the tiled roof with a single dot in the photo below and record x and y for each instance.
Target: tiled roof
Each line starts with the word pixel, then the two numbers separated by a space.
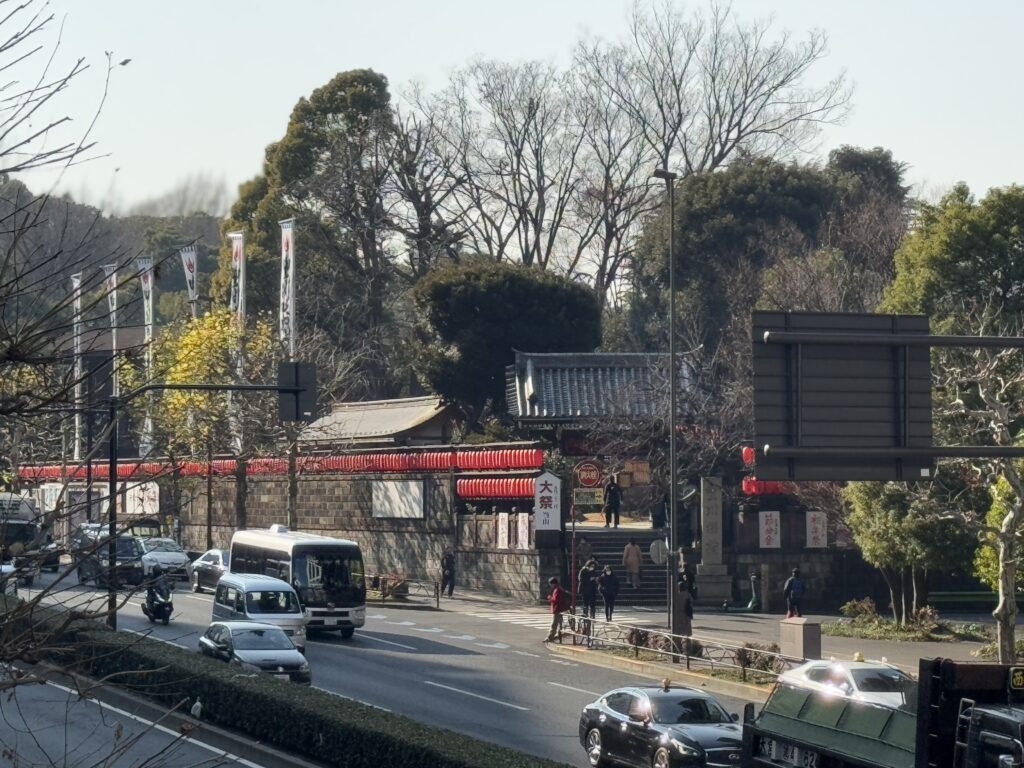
pixel 560 386
pixel 373 420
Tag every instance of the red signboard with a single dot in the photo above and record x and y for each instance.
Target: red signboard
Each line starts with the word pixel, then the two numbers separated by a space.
pixel 588 474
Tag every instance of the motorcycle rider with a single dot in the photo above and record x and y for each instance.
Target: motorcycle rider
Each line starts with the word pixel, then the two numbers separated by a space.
pixel 157 588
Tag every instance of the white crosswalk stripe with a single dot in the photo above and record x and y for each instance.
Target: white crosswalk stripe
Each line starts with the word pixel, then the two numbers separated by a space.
pixel 543 620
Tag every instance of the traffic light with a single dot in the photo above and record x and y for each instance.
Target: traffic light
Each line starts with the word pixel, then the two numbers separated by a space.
pixel 296 398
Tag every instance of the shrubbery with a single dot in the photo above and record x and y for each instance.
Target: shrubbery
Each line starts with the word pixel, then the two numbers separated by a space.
pixel 759 656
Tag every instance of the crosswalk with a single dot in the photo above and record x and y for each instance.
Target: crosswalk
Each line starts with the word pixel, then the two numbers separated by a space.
pixel 539 620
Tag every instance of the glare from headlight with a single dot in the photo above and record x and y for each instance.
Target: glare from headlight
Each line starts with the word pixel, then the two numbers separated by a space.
pixel 304 667
pixel 686 749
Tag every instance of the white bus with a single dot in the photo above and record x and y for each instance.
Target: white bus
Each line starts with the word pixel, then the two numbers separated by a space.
pixel 327 573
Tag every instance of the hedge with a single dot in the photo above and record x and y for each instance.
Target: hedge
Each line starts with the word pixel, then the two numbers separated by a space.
pixel 328 728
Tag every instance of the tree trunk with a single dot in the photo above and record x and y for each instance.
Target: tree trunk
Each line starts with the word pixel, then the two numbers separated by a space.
pixel 293 476
pixel 1006 610
pixel 890 583
pixel 241 492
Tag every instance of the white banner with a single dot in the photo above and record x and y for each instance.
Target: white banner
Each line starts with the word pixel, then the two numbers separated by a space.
pixel 237 298
pixel 523 530
pixel 76 349
pixel 287 313
pixel 145 267
pixel 547 503
pixel 111 284
pixel 188 262
pixel 770 529
pixel 503 530
pixel 817 530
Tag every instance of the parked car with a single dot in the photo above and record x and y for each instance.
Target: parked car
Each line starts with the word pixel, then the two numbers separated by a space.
pixel 164 553
pixel 874 681
pixel 652 727
pixel 260 645
pixel 205 571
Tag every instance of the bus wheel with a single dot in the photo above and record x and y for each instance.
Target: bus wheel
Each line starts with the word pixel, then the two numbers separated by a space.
pixel 347 632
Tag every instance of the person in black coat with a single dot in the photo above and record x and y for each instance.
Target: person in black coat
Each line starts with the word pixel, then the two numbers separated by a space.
pixel 608 585
pixel 448 571
pixel 588 588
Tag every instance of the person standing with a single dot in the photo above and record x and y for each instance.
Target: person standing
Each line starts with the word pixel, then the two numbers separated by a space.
pixel 558 599
pixel 691 580
pixel 608 585
pixel 631 559
pixel 612 501
pixel 793 591
pixel 685 608
pixel 588 594
pixel 448 571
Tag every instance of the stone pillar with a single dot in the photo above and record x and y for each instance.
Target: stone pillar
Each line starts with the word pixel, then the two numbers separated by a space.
pixel 714 584
pixel 800 638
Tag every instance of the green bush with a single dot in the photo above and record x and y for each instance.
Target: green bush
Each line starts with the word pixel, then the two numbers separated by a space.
pixel 327 728
pixel 860 609
pixel 759 656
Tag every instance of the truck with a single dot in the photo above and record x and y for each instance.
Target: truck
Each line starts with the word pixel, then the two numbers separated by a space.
pixel 966 715
pixel 22 538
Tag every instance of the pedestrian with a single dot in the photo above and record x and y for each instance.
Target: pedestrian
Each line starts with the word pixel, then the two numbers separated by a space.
pixel 558 599
pixel 612 501
pixel 659 513
pixel 685 609
pixel 584 551
pixel 631 559
pixel 793 591
pixel 448 571
pixel 587 590
pixel 608 585
pixel 691 580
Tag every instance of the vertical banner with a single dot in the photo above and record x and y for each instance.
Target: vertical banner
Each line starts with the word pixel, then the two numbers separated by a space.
pixel 547 503
pixel 111 284
pixel 817 530
pixel 76 349
pixel 237 298
pixel 770 529
pixel 145 267
pixel 287 314
pixel 188 262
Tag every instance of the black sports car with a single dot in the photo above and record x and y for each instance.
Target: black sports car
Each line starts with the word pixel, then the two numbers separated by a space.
pixel 663 727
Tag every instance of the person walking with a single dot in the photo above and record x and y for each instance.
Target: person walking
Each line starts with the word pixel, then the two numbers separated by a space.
pixel 608 586
pixel 631 559
pixel 691 580
pixel 793 591
pixel 685 608
pixel 612 501
pixel 588 595
pixel 558 599
pixel 448 571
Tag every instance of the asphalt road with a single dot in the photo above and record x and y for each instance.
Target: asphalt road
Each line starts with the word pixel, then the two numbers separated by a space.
pixel 484 674
pixel 48 725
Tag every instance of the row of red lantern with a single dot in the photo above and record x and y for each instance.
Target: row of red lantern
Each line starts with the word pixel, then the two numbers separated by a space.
pixel 495 487
pixel 517 458
pixel 754 487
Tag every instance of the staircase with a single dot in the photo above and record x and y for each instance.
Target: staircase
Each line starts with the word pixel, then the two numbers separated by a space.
pixel 608 543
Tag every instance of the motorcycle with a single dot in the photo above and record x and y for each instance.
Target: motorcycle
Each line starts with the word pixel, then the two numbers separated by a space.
pixel 159 609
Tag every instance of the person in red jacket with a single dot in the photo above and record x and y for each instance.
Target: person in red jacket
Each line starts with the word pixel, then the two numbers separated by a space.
pixel 558 599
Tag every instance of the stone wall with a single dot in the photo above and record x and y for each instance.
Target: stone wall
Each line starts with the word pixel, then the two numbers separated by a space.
pixel 341 506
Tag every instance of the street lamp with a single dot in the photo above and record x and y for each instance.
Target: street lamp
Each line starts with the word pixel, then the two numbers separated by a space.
pixel 673 551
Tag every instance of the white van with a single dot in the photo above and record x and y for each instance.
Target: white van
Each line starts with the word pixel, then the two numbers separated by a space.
pixel 241 597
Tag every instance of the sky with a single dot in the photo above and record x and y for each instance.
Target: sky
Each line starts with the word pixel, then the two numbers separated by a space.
pixel 212 82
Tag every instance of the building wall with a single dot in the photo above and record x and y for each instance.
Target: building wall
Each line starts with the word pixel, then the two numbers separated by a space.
pixel 342 506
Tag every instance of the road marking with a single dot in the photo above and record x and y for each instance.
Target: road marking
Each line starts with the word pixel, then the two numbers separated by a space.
pixel 527 653
pixel 351 698
pixel 492 645
pixel 402 623
pixel 377 616
pixel 387 642
pixel 564 663
pixel 477 696
pixel 201 598
pixel 427 629
pixel 461 637
pixel 578 690
pixel 164 729
pixel 151 636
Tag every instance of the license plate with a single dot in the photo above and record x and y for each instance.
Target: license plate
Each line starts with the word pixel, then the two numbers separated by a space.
pixel 283 677
pixel 766 747
pixel 788 753
pixel 331 622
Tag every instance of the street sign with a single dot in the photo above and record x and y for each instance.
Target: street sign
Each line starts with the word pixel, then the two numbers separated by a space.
pixel 547 503
pixel 593 497
pixel 588 474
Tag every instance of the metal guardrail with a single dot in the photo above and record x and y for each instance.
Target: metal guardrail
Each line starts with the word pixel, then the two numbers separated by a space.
pixel 692 650
pixel 394 586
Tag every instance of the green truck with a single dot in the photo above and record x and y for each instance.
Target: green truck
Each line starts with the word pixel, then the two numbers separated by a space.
pixel 967 715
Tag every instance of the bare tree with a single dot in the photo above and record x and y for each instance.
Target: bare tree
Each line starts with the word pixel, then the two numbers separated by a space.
pixel 196 193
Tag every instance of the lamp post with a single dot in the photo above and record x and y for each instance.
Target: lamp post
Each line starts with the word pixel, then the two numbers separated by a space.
pixel 673 550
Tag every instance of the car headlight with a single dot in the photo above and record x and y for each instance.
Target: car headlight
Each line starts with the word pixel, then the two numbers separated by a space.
pixel 686 749
pixel 300 631
pixel 304 667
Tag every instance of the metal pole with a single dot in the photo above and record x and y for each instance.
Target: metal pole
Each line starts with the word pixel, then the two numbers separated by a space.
pixel 209 494
pixel 88 457
pixel 112 519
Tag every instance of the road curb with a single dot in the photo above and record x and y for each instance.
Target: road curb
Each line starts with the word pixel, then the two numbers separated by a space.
pixel 659 670
pixel 402 606
pixel 219 738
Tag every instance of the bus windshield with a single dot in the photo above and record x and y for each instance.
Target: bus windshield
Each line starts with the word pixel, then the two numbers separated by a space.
pixel 328 575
